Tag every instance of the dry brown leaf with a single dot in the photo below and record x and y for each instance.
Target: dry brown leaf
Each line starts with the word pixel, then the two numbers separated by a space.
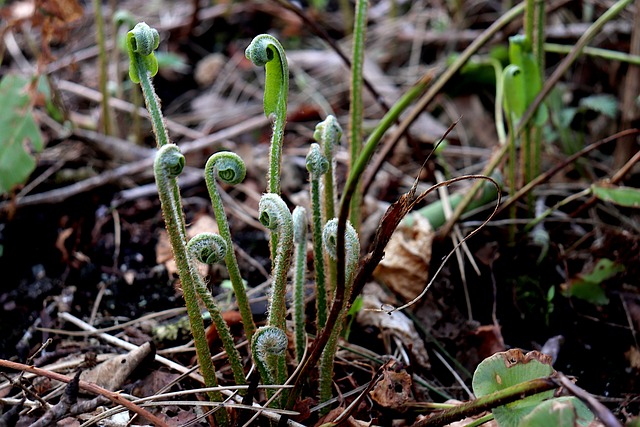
pixel 633 356
pixel 491 341
pixel 54 17
pixel 405 267
pixel 397 324
pixel 112 373
pixel 393 390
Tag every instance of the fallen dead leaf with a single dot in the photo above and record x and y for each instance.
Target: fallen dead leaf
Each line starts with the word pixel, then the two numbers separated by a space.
pixel 405 267
pixel 54 18
pixel 112 373
pixel 633 356
pixel 393 390
pixel 491 341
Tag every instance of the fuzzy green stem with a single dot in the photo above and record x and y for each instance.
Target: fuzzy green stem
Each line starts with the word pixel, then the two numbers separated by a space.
pixel 493 400
pixel 275 215
pixel 141 42
pixel 265 50
pixel 538 42
pixel 356 105
pixel 529 19
pixel 328 134
pixel 229 168
pixel 167 166
pixel 300 226
pixel 354 175
pixel 329 238
pixel 210 248
pixel 102 58
pixel 318 165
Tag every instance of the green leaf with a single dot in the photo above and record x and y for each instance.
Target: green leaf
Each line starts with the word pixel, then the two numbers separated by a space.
pixel 265 50
pixel 506 369
pixel 142 41
pixel 623 196
pixel 604 104
pixel 515 94
pixel 171 61
pixel 521 55
pixel 588 286
pixel 566 411
pixel 20 135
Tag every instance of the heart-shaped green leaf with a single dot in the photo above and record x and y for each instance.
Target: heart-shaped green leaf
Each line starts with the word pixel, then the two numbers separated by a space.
pixel 506 369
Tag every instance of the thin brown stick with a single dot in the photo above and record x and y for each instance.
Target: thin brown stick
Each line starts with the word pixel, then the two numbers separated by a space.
pixel 60 194
pixel 90 387
pixel 550 173
pixel 601 411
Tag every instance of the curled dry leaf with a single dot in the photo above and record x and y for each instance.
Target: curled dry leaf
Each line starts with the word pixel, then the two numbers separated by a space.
pixel 396 324
pixel 393 390
pixel 405 267
pixel 112 373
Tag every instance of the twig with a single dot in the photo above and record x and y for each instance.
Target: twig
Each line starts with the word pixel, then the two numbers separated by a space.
pixel 125 106
pixel 60 194
pixel 540 179
pixel 179 368
pixel 126 345
pixel 90 387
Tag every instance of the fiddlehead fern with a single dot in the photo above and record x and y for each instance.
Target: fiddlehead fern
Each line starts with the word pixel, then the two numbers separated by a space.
pixel 267 342
pixel 300 226
pixel 318 165
pixel 265 50
pixel 168 164
pixel 229 168
pixel 208 248
pixel 328 134
pixel 275 215
pixel 352 247
pixel 143 64
pixel 142 41
pixel 211 248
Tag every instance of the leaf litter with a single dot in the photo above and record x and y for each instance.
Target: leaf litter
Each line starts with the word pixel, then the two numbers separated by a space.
pixel 510 297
